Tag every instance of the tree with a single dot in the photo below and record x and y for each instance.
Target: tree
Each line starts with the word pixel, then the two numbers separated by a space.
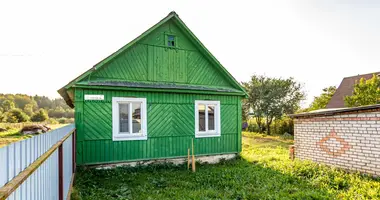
pixel 57 108
pixel 58 112
pixel 255 88
pixel 28 109
pixel 15 115
pixel 321 101
pixel 69 113
pixel 244 110
pixel 59 102
pixel 40 116
pixel 21 100
pixel 1 114
pixel 7 105
pixel 271 98
pixel 43 102
pixel 366 92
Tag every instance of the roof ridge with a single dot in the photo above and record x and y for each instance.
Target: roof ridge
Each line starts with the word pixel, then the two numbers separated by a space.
pixel 173 13
pixel 362 74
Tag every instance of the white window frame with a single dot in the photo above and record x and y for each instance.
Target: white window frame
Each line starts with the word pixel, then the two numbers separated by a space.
pixel 207 133
pixel 116 135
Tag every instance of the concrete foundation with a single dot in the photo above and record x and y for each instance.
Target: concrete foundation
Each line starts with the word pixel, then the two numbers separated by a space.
pixel 211 159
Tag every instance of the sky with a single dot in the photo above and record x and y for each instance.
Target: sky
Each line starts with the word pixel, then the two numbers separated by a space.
pixel 46 44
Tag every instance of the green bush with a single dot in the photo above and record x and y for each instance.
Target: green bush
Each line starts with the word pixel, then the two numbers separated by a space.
pixel 28 109
pixel 70 120
pixel 7 105
pixel 61 120
pixel 65 120
pixel 40 116
pixel 52 121
pixel 2 115
pixel 283 125
pixel 252 126
pixel 60 112
pixel 15 115
pixel 278 126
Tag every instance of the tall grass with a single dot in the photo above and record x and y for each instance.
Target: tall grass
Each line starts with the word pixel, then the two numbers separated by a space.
pixel 263 171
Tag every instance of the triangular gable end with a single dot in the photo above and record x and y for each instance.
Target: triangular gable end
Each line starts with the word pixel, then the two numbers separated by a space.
pixel 148 59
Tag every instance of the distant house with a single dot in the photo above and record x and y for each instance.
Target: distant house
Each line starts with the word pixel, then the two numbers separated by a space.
pixel 346 88
pixel 150 98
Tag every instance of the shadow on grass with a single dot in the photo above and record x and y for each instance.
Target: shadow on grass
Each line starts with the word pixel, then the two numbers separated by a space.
pixel 233 179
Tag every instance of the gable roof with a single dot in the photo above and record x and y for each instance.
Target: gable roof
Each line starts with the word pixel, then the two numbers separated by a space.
pixel 172 16
pixel 346 88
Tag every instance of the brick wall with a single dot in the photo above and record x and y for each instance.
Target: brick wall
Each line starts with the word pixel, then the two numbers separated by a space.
pixel 349 141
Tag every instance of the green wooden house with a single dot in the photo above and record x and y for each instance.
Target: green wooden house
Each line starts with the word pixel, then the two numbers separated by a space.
pixel 151 97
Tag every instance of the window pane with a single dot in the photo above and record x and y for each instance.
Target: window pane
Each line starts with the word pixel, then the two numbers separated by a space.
pixel 211 117
pixel 171 37
pixel 136 117
pixel 123 117
pixel 202 119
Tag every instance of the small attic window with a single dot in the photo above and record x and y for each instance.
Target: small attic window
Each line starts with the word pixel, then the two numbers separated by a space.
pixel 171 41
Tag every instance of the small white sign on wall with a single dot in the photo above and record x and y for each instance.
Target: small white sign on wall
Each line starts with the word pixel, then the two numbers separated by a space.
pixel 93 97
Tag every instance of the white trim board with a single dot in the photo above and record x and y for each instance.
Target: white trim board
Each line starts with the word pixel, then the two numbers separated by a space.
pixel 116 135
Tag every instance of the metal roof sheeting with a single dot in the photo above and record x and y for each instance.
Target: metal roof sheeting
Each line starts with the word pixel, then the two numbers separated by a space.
pixel 332 111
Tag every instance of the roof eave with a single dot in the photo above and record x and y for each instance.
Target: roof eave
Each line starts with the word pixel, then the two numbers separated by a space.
pixel 65 96
pixel 148 89
pixel 335 111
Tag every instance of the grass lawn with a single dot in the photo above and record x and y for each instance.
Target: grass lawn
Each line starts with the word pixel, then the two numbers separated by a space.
pixel 262 172
pixel 14 135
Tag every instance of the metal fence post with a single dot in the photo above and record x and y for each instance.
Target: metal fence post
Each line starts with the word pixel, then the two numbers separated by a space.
pixel 60 172
pixel 74 151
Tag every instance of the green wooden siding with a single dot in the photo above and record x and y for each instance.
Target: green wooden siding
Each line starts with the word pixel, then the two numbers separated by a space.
pixel 157 37
pixel 171 79
pixel 150 60
pixel 167 65
pixel 170 127
pixel 130 65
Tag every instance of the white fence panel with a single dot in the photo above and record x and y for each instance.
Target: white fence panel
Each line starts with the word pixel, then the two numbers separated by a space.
pixel 43 184
pixel 67 161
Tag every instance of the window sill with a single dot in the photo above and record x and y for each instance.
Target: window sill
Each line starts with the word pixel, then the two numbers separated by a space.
pixel 205 135
pixel 126 138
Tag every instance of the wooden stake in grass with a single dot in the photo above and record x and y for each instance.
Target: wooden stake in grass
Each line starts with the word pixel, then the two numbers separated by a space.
pixel 291 152
pixel 188 158
pixel 193 163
